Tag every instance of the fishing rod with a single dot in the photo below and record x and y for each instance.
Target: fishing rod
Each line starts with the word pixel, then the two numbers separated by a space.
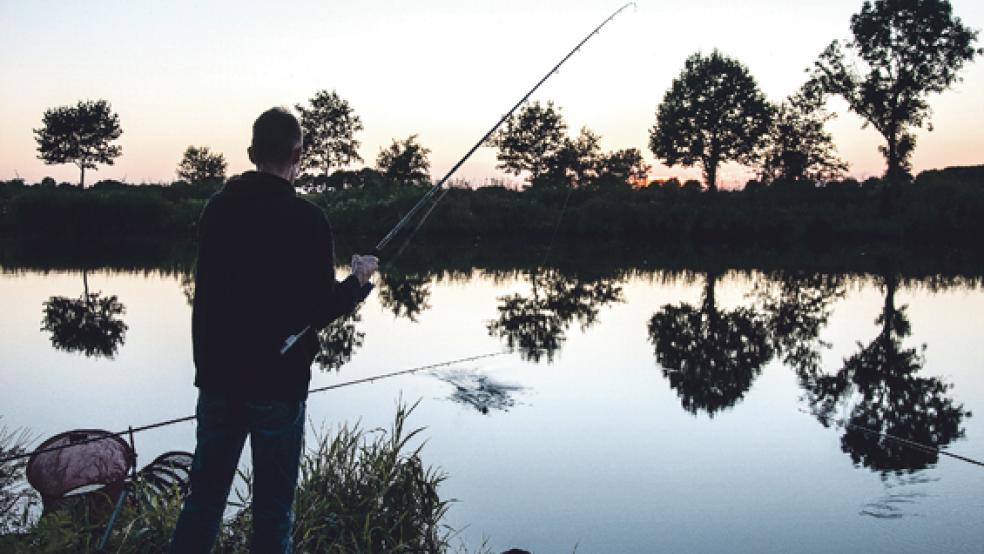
pixel 165 423
pixel 431 196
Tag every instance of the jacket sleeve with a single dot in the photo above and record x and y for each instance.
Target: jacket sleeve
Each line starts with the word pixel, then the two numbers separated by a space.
pixel 332 298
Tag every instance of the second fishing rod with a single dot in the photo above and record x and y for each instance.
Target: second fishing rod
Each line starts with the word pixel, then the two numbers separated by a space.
pixel 436 192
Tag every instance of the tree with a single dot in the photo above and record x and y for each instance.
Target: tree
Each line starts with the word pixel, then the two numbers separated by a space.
pixel 530 139
pixel 624 166
pixel 712 113
pixel 575 164
pixel 329 126
pixel 201 164
pixel 80 134
pixel 405 162
pixel 908 49
pixel 797 147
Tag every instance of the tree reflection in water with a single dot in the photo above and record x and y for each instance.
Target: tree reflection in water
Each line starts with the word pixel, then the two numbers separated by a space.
pixel 880 391
pixel 186 281
pixel 406 295
pixel 709 356
pixel 535 324
pixel 89 324
pixel 797 306
pixel 338 342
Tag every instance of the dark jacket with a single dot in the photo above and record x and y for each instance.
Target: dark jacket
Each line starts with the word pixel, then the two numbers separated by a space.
pixel 265 270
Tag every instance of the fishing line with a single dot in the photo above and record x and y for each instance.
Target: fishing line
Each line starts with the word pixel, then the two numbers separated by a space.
pixel 903 441
pixel 312 391
pixel 431 196
pixel 911 443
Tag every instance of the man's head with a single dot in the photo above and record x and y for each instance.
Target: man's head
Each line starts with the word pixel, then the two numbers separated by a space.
pixel 276 146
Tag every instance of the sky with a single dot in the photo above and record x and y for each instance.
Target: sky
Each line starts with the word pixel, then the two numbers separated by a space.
pixel 183 73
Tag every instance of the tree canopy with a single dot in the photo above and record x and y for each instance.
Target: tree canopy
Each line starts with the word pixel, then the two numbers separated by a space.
pixel 405 162
pixel 80 134
pixel 201 164
pixel 534 140
pixel 797 147
pixel 329 126
pixel 907 49
pixel 530 139
pixel 575 163
pixel 713 113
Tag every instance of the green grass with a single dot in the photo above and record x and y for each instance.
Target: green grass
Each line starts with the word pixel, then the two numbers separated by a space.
pixel 359 491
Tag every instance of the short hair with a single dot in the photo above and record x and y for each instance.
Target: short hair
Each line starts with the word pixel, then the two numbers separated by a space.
pixel 275 134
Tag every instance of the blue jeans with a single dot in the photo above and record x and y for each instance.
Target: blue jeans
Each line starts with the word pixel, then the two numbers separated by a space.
pixel 276 431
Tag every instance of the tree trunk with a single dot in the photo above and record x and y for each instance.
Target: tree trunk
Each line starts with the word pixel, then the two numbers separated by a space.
pixel 893 159
pixel 82 177
pixel 710 306
pixel 710 175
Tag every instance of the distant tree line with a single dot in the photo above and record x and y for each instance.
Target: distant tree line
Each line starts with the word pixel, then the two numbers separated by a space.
pixel 900 52
pixel 944 207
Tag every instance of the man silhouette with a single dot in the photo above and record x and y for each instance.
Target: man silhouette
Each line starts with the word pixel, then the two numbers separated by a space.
pixel 265 270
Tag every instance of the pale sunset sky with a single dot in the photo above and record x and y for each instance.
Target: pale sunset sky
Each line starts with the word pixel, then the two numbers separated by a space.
pixel 183 73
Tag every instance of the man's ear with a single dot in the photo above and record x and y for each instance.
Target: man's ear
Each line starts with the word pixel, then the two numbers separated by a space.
pixel 295 155
pixel 249 152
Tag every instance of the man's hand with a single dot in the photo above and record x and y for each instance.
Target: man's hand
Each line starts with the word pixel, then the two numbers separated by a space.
pixel 363 267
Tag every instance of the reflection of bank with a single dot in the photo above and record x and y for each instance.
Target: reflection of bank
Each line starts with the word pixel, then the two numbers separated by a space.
pixel 710 356
pixel 535 325
pixel 89 324
pixel 883 397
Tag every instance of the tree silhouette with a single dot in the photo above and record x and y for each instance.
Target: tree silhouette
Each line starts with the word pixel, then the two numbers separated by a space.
pixel 89 324
pixel 529 139
pixel 713 113
pixel 535 324
pixel 880 389
pixel 405 162
pixel 80 134
pixel 797 147
pixel 201 164
pixel 329 126
pixel 710 357
pixel 406 295
pixel 338 342
pixel 622 167
pixel 908 49
pixel 575 164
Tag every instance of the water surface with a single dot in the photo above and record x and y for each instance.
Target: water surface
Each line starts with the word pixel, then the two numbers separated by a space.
pixel 643 405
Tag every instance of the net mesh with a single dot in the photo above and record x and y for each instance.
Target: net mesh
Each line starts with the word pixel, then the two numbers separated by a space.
pixel 86 460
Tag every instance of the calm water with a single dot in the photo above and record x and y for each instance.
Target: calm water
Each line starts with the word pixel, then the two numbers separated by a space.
pixel 640 409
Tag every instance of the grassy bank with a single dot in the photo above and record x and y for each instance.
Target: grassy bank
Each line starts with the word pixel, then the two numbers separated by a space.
pixel 939 207
pixel 358 491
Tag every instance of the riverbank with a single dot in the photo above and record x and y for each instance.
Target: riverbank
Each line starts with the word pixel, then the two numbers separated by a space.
pixel 359 491
pixel 938 208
